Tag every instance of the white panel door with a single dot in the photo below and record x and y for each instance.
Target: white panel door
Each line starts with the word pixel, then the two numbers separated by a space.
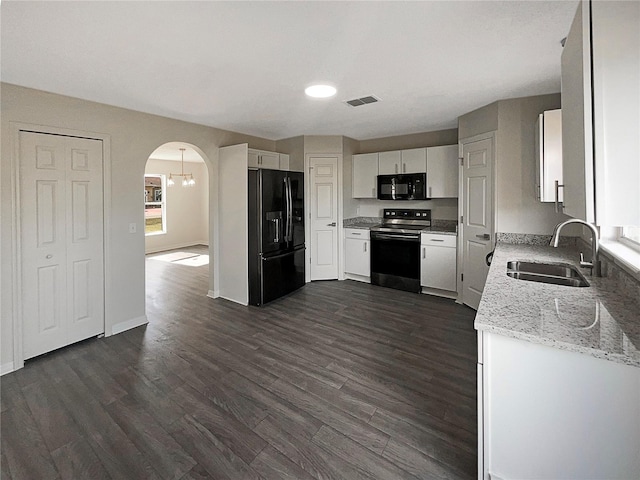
pixel 61 215
pixel 323 250
pixel 477 226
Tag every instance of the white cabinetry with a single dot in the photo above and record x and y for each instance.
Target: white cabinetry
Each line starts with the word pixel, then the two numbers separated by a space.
pixel 263 159
pixel 438 262
pixel 549 156
pixel 600 146
pixel 364 176
pixel 403 161
pixel 547 413
pixel 442 171
pixel 357 263
pixel 390 162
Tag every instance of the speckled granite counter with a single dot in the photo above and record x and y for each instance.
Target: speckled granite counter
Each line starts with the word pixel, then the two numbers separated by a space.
pixel 599 320
pixel 445 227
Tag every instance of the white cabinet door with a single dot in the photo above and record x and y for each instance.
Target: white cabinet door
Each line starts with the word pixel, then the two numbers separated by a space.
pixel 262 159
pixel 356 257
pixel 364 176
pixel 549 156
pixel 577 131
pixel 414 160
pixel 389 162
pixel 284 161
pixel 438 262
pixel 442 172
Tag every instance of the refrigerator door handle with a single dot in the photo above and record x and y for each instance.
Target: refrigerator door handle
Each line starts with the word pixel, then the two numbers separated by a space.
pixel 290 210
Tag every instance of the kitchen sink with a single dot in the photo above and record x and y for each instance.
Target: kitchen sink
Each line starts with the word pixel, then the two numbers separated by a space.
pixel 554 273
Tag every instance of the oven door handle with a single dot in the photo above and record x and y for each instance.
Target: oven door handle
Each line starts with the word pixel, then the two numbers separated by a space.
pixel 395 236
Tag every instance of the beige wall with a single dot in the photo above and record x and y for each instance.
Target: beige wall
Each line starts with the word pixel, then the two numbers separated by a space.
pixel 349 205
pixel 294 146
pixel 133 136
pixel 187 215
pixel 482 120
pixel 414 140
pixel 517 209
pixel 322 144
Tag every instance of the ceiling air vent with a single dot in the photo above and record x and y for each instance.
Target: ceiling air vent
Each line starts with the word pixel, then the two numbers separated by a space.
pixel 356 102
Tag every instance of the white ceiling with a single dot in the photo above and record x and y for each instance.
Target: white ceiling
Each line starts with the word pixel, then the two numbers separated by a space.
pixel 243 66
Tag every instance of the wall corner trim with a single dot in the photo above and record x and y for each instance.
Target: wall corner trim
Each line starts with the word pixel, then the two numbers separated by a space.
pixel 6 368
pixel 213 293
pixel 129 324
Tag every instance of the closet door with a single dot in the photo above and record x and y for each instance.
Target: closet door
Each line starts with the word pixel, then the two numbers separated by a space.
pixel 61 241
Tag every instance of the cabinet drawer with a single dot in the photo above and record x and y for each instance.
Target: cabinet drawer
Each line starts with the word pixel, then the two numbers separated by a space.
pixel 437 240
pixel 360 233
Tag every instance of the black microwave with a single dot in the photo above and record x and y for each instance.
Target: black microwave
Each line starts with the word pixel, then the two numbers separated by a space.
pixel 407 186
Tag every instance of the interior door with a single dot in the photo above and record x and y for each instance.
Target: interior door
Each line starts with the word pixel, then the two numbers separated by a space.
pixel 323 245
pixel 477 225
pixel 61 218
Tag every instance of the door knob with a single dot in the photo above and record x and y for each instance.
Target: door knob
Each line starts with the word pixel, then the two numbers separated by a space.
pixel 484 236
pixel 333 224
pixel 49 256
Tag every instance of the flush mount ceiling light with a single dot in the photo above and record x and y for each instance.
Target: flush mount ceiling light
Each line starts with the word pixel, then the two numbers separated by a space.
pixel 187 178
pixel 320 91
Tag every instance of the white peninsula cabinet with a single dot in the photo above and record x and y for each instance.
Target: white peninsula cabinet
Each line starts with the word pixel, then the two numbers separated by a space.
pixel 547 413
pixel 365 176
pixel 357 247
pixel 442 171
pixel 438 264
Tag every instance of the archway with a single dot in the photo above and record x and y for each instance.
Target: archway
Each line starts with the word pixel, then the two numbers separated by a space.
pixel 177 216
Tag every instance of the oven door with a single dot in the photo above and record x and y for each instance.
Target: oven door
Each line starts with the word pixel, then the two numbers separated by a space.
pixel 395 260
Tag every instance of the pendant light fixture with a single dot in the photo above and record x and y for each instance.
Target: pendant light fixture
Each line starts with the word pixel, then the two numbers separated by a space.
pixel 187 178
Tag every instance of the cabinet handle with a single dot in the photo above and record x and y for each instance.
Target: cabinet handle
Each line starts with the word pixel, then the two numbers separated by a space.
pixel 404 168
pixel 559 207
pixel 436 240
pixel 424 253
pixel 365 247
pixel 396 167
pixel 356 233
pixel 429 194
pixel 373 192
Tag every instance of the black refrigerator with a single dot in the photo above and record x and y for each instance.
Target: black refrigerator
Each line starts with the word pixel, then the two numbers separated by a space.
pixel 276 234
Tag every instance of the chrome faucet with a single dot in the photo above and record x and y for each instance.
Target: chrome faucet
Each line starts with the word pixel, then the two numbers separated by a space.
pixel 594 264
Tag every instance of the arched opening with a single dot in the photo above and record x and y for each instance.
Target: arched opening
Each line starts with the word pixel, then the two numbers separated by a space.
pixel 177 216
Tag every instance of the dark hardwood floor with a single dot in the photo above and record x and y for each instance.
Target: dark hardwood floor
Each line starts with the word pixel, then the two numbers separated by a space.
pixel 340 380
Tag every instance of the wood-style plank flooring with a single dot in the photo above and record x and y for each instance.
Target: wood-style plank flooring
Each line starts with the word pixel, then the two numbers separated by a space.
pixel 340 380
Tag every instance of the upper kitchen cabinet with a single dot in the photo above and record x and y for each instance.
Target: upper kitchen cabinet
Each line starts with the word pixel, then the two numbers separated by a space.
pixel 549 157
pixel 263 159
pixel 364 175
pixel 284 161
pixel 601 114
pixel 403 161
pixel 389 162
pixel 442 171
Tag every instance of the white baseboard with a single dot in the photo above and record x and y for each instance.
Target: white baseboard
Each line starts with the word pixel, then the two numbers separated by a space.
pixel 357 278
pixel 236 301
pixel 213 293
pixel 129 324
pixel 440 293
pixel 162 248
pixel 6 368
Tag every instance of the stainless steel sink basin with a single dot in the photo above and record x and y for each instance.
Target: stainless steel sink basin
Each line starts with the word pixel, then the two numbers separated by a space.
pixel 554 273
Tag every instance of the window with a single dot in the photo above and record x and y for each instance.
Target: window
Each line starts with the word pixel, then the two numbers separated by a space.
pixel 631 236
pixel 154 205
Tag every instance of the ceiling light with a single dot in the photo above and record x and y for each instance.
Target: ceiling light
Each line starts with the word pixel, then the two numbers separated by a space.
pixel 320 91
pixel 187 178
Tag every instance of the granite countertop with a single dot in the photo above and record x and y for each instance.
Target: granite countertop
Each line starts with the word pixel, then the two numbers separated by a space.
pixel 444 227
pixel 599 320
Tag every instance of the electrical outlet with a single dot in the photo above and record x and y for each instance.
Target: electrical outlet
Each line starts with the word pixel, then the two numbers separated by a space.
pixel 133 228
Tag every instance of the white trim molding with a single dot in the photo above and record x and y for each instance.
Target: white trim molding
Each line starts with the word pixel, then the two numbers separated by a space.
pixel 129 324
pixel 6 368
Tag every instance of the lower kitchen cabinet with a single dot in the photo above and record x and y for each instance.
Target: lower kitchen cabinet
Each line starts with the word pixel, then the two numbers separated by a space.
pixel 547 413
pixel 438 261
pixel 357 263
